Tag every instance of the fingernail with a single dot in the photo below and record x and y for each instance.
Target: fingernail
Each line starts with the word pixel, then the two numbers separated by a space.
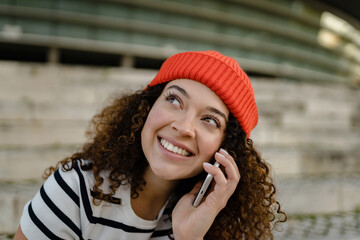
pixel 207 164
pixel 216 164
pixel 219 154
pixel 224 151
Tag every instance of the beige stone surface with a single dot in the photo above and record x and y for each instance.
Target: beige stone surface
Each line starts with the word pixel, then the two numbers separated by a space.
pixel 309 133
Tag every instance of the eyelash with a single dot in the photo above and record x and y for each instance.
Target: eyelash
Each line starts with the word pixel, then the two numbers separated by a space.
pixel 216 120
pixel 172 96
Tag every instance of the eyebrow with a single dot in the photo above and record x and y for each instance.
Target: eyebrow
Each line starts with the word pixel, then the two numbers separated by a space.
pixel 214 110
pixel 211 109
pixel 180 90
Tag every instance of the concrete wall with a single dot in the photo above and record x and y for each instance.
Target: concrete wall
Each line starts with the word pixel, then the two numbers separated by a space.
pixel 309 133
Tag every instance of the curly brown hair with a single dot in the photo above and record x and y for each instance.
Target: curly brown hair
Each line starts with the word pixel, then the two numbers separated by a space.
pixel 114 145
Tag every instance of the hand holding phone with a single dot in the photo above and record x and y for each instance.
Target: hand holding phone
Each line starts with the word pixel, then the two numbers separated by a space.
pixel 204 187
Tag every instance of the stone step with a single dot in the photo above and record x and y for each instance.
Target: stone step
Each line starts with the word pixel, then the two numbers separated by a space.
pixel 291 162
pixel 14 73
pixel 13 197
pixel 36 83
pixel 13 111
pixel 29 163
pixel 306 121
pixel 319 194
pixel 36 93
pixel 275 89
pixel 323 120
pixel 344 226
pixel 42 132
pixel 324 138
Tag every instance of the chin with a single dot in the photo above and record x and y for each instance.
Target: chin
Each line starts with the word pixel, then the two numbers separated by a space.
pixel 167 175
pixel 170 174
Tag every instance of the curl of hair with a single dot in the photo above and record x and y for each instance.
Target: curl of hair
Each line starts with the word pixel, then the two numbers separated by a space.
pixel 115 140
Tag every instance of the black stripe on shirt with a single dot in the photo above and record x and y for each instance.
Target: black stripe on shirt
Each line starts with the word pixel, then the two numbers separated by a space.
pixel 66 188
pixel 40 225
pixel 65 219
pixel 100 220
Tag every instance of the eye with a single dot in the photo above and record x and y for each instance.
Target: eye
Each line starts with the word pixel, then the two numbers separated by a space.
pixel 213 121
pixel 173 99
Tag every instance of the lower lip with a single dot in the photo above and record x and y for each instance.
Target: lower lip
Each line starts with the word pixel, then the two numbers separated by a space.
pixel 172 155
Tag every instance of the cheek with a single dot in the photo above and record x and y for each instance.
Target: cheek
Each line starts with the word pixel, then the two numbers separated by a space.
pixel 209 146
pixel 148 129
pixel 155 120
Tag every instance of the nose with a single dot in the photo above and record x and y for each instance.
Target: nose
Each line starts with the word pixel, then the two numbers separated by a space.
pixel 185 126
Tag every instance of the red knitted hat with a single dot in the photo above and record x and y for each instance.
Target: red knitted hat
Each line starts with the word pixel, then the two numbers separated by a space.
pixel 221 74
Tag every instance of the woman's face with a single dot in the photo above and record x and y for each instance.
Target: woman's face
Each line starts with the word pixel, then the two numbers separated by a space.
pixel 184 128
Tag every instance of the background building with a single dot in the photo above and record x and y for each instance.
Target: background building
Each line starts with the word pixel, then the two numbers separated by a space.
pixel 61 60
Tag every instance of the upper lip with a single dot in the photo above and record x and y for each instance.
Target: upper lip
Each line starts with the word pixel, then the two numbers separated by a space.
pixel 175 143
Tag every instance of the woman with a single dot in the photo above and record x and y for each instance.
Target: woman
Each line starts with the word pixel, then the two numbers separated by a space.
pixel 149 152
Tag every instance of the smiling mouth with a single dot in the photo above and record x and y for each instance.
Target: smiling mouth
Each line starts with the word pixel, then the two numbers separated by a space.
pixel 170 147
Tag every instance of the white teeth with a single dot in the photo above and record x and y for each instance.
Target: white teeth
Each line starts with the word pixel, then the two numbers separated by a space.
pixel 170 147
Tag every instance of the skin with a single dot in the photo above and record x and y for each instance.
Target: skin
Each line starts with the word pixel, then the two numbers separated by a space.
pixel 189 115
pixel 19 235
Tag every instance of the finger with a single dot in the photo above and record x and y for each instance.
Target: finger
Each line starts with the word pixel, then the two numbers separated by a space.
pixel 230 166
pixel 216 172
pixel 227 155
pixel 221 191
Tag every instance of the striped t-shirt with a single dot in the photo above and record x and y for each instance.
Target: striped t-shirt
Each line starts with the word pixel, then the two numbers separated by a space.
pixel 63 209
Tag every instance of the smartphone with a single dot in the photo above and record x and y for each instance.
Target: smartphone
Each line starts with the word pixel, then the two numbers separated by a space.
pixel 204 187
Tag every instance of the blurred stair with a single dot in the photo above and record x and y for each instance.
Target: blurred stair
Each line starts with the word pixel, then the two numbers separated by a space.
pixel 309 133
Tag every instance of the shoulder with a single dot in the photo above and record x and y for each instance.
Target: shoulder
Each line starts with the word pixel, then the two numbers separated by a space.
pixel 54 212
pixel 63 209
pixel 68 184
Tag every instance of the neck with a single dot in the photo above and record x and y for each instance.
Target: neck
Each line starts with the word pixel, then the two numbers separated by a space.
pixel 154 195
pixel 157 188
